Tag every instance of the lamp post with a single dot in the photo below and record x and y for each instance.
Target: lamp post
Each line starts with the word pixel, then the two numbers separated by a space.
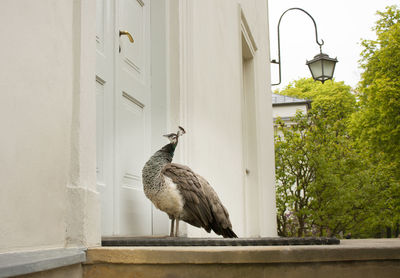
pixel 321 66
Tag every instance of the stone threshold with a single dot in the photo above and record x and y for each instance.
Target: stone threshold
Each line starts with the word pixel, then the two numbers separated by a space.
pixel 184 241
pixel 19 263
pixel 348 250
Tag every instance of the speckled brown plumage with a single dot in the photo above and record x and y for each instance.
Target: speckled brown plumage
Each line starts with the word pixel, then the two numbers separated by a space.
pixel 202 206
pixel 191 197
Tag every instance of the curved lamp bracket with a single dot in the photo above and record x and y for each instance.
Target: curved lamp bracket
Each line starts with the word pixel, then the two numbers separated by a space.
pixel 279 40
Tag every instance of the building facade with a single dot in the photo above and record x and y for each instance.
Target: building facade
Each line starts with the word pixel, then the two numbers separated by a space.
pixel 285 107
pixel 82 109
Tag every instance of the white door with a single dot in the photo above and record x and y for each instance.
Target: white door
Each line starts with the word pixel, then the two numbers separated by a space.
pixel 123 115
pixel 133 215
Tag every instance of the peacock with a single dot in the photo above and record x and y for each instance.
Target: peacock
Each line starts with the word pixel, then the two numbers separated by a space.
pixel 183 194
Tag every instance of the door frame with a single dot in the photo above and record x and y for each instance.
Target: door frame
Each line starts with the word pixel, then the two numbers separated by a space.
pixel 251 184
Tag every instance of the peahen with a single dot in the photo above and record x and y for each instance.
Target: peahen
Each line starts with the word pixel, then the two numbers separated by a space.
pixel 183 194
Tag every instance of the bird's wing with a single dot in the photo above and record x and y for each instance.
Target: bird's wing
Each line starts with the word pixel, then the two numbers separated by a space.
pixel 196 205
pixel 221 224
pixel 218 209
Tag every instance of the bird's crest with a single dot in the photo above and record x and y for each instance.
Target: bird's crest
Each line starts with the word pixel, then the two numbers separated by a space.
pixel 173 137
pixel 181 131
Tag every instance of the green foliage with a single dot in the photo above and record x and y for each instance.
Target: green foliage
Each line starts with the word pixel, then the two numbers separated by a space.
pixel 337 168
pixel 377 122
pixel 333 100
pixel 316 192
pixel 294 174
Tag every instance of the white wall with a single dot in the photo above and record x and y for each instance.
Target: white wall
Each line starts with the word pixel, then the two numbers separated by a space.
pixel 288 110
pixel 48 194
pixel 211 103
pixel 44 84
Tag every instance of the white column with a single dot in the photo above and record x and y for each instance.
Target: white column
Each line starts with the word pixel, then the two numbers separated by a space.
pixel 83 214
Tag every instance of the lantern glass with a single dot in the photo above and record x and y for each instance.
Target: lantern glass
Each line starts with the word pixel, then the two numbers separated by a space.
pixel 316 69
pixel 322 67
pixel 329 67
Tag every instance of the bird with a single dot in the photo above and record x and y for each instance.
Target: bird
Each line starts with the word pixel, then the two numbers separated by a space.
pixel 182 194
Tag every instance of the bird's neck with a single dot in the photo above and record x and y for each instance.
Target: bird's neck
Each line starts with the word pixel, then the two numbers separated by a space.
pixel 167 151
pixel 156 163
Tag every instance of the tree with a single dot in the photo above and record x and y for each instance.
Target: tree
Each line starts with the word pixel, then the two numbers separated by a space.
pixel 318 191
pixel 377 122
pixel 337 169
pixel 294 175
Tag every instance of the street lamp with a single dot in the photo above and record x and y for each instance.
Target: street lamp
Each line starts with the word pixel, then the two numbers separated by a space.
pixel 321 67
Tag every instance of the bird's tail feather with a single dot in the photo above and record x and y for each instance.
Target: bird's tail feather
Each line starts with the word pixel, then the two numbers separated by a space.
pixel 228 233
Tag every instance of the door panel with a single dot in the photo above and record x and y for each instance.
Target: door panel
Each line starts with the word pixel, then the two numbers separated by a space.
pixel 123 116
pixel 135 208
pixel 134 215
pixel 134 18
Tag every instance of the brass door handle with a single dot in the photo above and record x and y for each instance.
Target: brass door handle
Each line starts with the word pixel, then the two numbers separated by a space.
pixel 126 33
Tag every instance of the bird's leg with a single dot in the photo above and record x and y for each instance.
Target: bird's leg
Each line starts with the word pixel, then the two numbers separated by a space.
pixel 171 234
pixel 177 227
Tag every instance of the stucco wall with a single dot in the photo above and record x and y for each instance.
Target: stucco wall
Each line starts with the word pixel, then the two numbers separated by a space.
pixel 43 75
pixel 289 110
pixel 213 97
pixel 48 192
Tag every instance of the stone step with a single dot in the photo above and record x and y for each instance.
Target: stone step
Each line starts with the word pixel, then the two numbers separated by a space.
pixel 349 259
pixel 184 241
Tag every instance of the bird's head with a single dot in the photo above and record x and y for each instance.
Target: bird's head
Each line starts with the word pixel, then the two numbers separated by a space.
pixel 173 137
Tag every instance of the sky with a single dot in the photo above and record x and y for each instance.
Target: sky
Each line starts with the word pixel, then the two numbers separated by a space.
pixel 340 23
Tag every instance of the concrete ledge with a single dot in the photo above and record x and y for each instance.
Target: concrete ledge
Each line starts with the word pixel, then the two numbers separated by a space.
pixel 360 269
pixel 348 250
pixel 19 263
pixel 350 259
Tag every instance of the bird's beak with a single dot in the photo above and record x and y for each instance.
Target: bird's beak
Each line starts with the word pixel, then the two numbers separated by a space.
pixel 169 135
pixel 172 137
